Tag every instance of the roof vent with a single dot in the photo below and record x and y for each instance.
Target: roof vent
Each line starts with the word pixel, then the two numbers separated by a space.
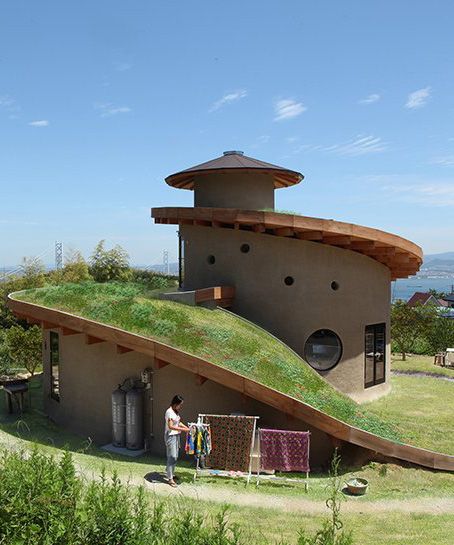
pixel 233 152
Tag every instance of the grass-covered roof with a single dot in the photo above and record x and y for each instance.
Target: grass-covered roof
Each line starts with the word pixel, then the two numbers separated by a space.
pixel 219 337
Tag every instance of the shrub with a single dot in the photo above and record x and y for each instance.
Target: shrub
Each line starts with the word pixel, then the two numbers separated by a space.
pixel 111 264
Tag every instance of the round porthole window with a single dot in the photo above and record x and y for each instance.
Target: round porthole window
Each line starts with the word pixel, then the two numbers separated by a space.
pixel 245 248
pixel 323 350
pixel 288 280
pixel 334 285
pixel 211 259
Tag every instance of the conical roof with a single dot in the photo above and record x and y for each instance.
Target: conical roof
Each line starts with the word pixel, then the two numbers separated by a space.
pixel 231 160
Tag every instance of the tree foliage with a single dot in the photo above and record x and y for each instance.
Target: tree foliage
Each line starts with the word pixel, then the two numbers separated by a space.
pixel 106 265
pixel 440 334
pixel 410 323
pixel 24 347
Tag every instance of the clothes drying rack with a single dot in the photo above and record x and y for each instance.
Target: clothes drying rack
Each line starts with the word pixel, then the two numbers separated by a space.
pixel 259 464
pixel 200 420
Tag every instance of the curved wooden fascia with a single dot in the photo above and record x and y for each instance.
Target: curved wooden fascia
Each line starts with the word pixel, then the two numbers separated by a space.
pixel 230 379
pixel 282 178
pixel 400 255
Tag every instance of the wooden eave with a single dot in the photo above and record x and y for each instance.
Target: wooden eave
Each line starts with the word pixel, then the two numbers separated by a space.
pixel 402 257
pixel 165 355
pixel 282 178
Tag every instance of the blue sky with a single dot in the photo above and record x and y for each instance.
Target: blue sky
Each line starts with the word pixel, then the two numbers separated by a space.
pixel 99 101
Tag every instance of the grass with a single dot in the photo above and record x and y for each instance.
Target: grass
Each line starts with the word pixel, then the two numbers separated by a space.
pixel 421 407
pixel 214 335
pixel 420 364
pixel 388 482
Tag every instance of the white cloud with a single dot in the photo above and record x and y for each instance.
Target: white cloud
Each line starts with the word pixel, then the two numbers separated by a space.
pixel 287 108
pixel 228 99
pixel 39 123
pixel 446 161
pixel 8 104
pixel 108 109
pixel 374 97
pixel 410 189
pixel 122 66
pixel 418 98
pixel 361 145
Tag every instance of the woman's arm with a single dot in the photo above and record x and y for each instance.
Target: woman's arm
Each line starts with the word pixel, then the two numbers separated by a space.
pixel 172 426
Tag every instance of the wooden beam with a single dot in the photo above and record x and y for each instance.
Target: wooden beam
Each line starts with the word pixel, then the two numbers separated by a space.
pixel 284 232
pixel 337 240
pixel 49 325
pixel 362 244
pixel 89 339
pixel 32 321
pixel 309 235
pixel 67 331
pixel 199 380
pixel 258 228
pixel 123 349
pixel 160 364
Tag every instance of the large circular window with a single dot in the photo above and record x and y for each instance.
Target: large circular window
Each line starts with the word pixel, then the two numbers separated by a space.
pixel 323 350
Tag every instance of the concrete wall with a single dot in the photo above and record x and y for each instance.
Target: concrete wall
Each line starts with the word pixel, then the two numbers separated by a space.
pixel 89 374
pixel 293 313
pixel 235 190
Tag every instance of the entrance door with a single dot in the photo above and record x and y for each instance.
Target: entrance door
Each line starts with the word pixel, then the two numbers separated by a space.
pixel 375 355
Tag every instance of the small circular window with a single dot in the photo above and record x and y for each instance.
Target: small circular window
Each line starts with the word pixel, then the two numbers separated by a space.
pixel 245 248
pixel 323 350
pixel 211 259
pixel 288 280
pixel 334 286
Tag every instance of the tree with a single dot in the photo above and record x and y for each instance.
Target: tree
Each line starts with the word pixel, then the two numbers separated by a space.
pixel 440 334
pixel 25 347
pixel 32 272
pixel 106 265
pixel 408 324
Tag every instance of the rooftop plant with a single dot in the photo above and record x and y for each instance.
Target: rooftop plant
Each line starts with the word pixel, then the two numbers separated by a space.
pixel 217 336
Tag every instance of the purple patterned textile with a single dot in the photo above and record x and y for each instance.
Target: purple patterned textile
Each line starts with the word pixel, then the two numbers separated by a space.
pixel 284 450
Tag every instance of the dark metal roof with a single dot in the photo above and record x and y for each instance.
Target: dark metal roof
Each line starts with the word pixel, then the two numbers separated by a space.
pixel 234 160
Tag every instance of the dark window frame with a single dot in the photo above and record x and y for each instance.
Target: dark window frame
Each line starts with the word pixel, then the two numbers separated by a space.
pixel 374 328
pixel 341 350
pixel 54 362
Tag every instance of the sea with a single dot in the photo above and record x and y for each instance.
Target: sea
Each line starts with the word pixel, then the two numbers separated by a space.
pixel 404 288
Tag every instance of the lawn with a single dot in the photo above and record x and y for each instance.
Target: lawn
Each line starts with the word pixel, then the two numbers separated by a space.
pixel 217 336
pixel 420 364
pixel 422 408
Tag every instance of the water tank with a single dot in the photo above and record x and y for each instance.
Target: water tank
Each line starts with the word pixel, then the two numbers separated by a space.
pixel 119 417
pixel 134 419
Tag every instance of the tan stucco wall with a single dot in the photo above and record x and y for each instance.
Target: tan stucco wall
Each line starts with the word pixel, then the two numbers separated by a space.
pixel 89 374
pixel 293 313
pixel 249 191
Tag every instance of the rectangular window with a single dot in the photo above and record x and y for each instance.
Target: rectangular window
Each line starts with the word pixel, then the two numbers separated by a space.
pixel 54 349
pixel 375 355
pixel 180 260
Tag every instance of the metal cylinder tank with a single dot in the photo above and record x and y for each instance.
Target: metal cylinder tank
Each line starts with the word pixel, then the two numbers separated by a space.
pixel 134 419
pixel 119 417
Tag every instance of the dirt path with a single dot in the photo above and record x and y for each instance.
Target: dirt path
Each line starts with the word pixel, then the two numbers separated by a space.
pixel 433 506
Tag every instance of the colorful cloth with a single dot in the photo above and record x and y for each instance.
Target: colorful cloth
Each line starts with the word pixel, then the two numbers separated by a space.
pixel 198 440
pixel 284 450
pixel 231 442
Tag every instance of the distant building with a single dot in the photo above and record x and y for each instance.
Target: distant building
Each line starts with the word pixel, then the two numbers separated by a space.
pixel 425 298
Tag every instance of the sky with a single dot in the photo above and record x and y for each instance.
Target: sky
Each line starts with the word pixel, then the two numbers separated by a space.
pixel 100 101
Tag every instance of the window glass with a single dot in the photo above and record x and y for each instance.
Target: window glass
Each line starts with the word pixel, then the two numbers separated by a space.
pixel 54 349
pixel 323 350
pixel 375 355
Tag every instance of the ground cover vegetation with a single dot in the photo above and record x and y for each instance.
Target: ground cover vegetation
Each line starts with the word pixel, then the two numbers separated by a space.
pixel 417 363
pixel 43 501
pixel 215 335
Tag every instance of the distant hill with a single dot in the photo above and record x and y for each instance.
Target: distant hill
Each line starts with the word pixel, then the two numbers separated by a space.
pixel 439 262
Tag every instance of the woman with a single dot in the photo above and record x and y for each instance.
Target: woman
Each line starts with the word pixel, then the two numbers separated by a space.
pixel 173 429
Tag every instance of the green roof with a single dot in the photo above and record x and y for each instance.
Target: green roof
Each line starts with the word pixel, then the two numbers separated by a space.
pixel 214 335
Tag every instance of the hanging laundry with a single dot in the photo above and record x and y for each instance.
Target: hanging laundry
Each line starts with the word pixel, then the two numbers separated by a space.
pixel 284 450
pixel 232 438
pixel 198 440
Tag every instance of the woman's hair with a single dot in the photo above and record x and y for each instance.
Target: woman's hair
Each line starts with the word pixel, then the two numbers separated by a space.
pixel 176 400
